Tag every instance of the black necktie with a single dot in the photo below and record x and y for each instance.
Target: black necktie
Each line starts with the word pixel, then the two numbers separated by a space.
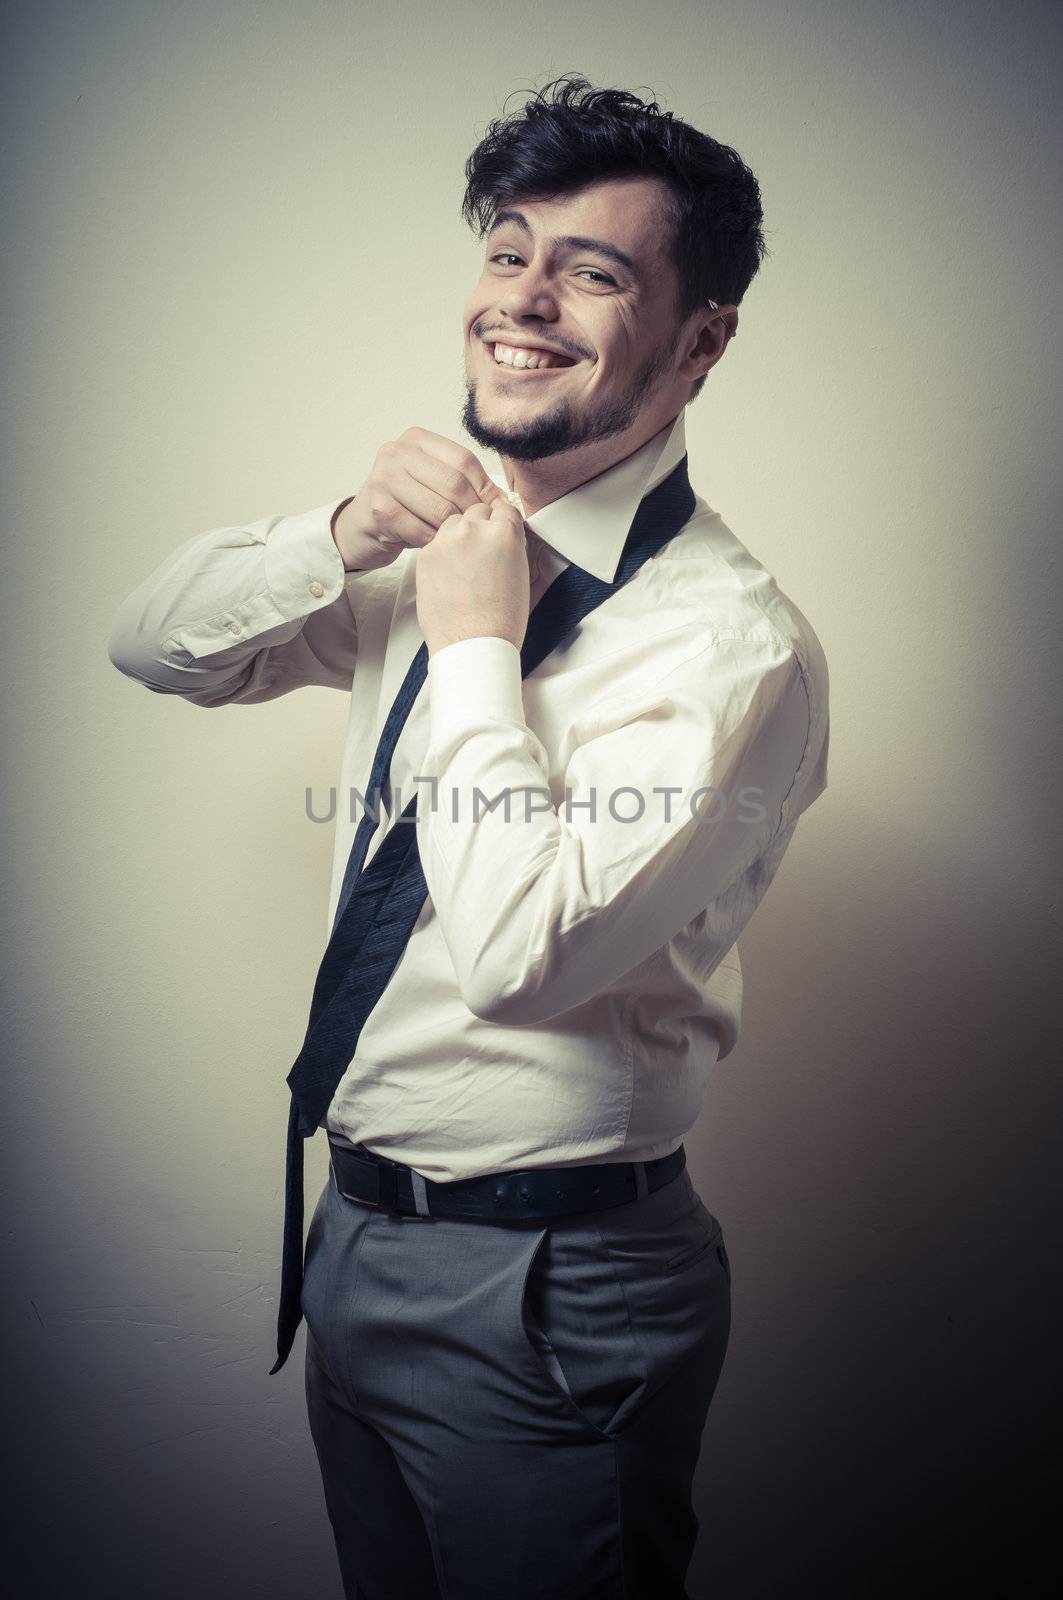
pixel 378 907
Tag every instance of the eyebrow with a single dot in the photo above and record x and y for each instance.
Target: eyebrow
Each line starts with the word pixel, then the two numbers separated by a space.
pixel 570 241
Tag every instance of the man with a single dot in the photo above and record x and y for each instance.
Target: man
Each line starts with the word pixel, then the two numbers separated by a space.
pixel 517 1305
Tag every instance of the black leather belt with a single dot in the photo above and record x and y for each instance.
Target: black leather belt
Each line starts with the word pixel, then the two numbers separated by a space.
pixel 374 1180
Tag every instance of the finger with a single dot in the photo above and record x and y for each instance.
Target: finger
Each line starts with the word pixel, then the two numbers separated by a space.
pixel 396 523
pixel 453 489
pixel 425 503
pixel 463 475
pixel 503 511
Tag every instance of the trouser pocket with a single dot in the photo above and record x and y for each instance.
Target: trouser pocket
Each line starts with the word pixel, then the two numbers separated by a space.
pixel 708 1237
pixel 547 1354
pixel 575 1330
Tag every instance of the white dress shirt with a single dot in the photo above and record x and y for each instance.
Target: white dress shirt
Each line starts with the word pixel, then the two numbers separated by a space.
pixel 574 974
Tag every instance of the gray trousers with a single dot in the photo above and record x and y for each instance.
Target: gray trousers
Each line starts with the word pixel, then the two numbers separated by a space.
pixel 513 1410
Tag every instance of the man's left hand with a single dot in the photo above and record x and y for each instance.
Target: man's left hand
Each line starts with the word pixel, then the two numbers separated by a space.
pixel 472 577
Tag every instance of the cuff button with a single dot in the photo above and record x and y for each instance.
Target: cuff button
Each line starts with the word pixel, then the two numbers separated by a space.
pixel 317 588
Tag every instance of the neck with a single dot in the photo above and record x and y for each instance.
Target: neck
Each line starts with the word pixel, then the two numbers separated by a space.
pixel 540 483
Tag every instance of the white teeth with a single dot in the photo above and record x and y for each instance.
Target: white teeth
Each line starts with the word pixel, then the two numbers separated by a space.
pixel 511 356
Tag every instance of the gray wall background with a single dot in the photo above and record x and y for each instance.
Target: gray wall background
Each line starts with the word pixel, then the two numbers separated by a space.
pixel 234 266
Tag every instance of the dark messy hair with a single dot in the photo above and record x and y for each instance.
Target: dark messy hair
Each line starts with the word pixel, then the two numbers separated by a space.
pixel 554 146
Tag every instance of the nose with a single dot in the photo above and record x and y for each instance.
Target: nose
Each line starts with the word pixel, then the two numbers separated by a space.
pixel 531 294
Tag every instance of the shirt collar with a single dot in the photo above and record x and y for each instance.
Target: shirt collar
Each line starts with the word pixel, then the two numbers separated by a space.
pixel 589 524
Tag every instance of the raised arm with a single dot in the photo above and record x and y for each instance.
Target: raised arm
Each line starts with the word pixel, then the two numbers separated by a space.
pixel 242 614
pixel 543 909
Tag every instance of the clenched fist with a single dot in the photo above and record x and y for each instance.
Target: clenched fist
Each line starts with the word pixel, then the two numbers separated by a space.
pixel 416 482
pixel 473 579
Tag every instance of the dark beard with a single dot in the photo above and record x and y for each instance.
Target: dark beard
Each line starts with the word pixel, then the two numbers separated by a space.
pixel 561 427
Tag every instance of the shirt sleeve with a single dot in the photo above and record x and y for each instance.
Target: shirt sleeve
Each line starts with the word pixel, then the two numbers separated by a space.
pixel 597 867
pixel 242 614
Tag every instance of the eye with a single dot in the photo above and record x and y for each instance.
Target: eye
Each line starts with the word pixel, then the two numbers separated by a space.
pixel 592 271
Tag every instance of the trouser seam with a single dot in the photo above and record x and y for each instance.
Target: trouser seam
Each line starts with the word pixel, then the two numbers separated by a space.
pixel 619 1522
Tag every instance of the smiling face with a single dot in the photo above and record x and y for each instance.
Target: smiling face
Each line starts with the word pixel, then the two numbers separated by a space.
pixel 586 276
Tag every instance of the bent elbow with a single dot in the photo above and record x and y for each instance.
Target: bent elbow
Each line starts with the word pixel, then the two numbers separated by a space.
pixel 122 653
pixel 131 653
pixel 506 1011
pixel 509 1005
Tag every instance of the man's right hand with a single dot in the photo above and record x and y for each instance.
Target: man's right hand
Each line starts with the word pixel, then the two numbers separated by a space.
pixel 418 480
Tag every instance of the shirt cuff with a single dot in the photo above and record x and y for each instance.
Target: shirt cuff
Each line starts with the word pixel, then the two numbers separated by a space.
pixel 304 569
pixel 473 681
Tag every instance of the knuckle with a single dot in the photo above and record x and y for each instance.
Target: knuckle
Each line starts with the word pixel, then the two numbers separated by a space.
pixel 383 506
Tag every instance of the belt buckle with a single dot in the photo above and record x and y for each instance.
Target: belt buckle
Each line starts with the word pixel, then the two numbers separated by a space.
pixel 387 1189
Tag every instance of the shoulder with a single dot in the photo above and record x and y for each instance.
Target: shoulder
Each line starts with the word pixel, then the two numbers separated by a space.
pixel 716 587
pixel 732 614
